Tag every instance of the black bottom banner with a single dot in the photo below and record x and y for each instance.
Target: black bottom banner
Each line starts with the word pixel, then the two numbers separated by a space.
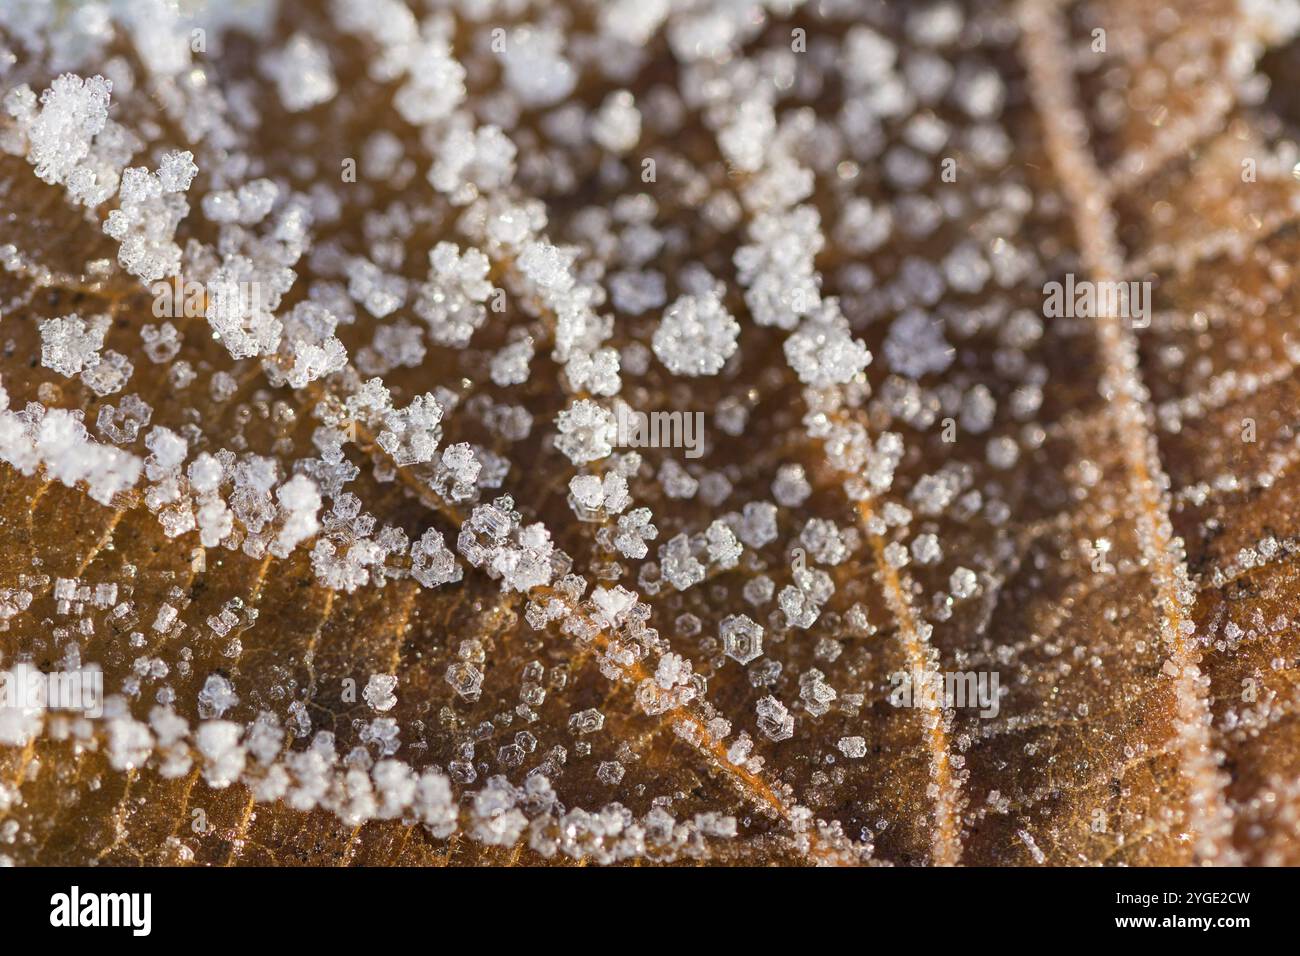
pixel 302 906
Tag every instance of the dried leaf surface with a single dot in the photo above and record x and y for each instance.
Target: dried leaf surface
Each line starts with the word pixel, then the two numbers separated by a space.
pixel 1132 554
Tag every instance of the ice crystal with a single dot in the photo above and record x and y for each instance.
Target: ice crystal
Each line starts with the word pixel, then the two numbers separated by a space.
pixel 696 336
pixel 585 432
pixel 302 73
pixel 71 343
pixel 741 638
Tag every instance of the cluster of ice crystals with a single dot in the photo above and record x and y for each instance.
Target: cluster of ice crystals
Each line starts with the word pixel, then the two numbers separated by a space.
pixel 56 440
pixel 214 518
pixel 696 335
pixel 472 160
pixel 432 562
pixel 435 82
pixel 822 352
pixel 776 268
pixel 963 583
pixel 678 563
pixel 586 431
pixel 495 539
pixel 150 207
pixel 634 530
pixel 815 693
pixel 790 487
pixel 309 342
pixel 926 549
pixel 853 748
pixel 457 473
pixel 757 525
pixel 451 300
pixel 510 364
pixel 595 497
pixel 224 757
pixel 394 346
pixel 161 342
pixel 111 373
pixel 176 171
pixel 613 606
pixel 72 343
pixel 745 140
pixel 617 124
pixel 20 724
pixel 376 290
pixel 826 542
pixel 379 692
pixel 723 547
pixel 886 454
pixel 302 73
pixel 349 554
pixel 300 503
pixel 217 697
pixel 70 139
pixel 802 601
pixel 129 741
pixel 411 434
pixel 236 311
pixel 671 687
pixel 597 372
pixel 548 266
pixel 536 69
pixel 915 345
pixel 676 481
pixel 250 204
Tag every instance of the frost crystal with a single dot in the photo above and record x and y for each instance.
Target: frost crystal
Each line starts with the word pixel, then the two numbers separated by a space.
pixel 594 498
pixel 58 441
pixel 223 756
pixel 853 747
pixel 742 639
pixel 70 344
pixel 150 207
pixel 696 336
pixel 586 431
pixel 774 720
pixel 465 679
pixel 678 563
pixel 963 583
pixel 217 697
pixel 432 562
pixel 451 300
pixel 915 345
pixel 535 66
pixel 310 343
pixel 411 434
pixel 634 530
pixel 510 364
pixel 300 502
pixel 494 538
pixel 379 692
pixel 617 125
pixel 302 73
pixel 777 268
pixel 73 113
pixel 822 352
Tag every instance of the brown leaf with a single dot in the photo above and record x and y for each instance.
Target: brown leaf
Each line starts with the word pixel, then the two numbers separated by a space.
pixel 1131 547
